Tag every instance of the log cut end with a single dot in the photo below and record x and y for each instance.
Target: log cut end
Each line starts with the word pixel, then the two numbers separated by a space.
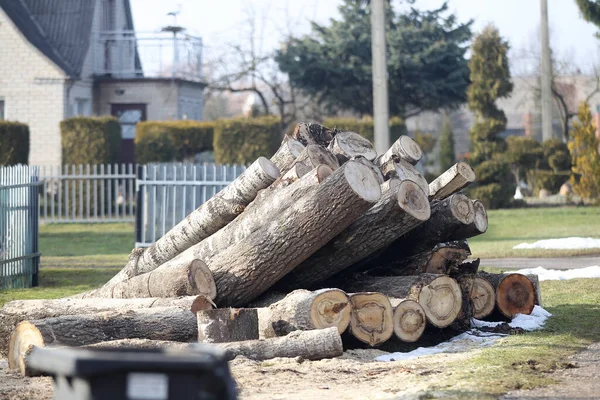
pixel 409 321
pixel 515 295
pixel 331 308
pixel 202 303
pixel 466 171
pixel 413 200
pixel 442 301
pixel 483 297
pixel 389 184
pixel 347 145
pixel 201 279
pixel 317 155
pixel 363 180
pixel 481 218
pixel 462 208
pixel 22 338
pixel 294 147
pixel 268 167
pixel 409 149
pixel 371 319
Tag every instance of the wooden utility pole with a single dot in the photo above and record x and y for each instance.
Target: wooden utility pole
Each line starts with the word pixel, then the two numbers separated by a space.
pixel 380 88
pixel 546 80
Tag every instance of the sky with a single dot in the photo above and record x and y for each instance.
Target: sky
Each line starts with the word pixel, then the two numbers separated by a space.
pixel 223 21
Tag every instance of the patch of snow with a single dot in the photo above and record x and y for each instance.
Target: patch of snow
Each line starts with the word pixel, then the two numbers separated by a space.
pixel 474 337
pixel 561 275
pixel 570 243
pixel 518 195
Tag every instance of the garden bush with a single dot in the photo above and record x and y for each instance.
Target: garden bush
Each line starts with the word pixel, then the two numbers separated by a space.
pixel 90 140
pixel 243 140
pixel 14 143
pixel 549 180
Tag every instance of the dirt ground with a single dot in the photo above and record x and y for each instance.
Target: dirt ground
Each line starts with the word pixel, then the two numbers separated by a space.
pixel 353 376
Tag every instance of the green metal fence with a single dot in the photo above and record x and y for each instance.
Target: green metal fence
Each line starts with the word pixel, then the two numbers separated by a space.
pixel 19 220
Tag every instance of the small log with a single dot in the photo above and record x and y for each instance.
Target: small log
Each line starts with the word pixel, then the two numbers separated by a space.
pixel 163 323
pixel 453 180
pixel 310 345
pixel 515 294
pixel 397 212
pixel 289 150
pixel 189 279
pixel 311 133
pixel 305 310
pixel 403 170
pixel 439 295
pixel 348 145
pixel 483 295
pixel 269 203
pixel 371 320
pixel 249 268
pixel 314 155
pixel 477 227
pixel 223 325
pixel 409 320
pixel 20 310
pixel 403 149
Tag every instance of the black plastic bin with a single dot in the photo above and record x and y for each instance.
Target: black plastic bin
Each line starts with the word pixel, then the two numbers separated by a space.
pixel 199 372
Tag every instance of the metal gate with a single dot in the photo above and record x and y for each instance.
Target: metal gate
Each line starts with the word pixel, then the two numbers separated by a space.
pixel 19 218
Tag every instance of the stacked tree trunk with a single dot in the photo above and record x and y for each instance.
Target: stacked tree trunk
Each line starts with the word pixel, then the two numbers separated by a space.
pixel 324 241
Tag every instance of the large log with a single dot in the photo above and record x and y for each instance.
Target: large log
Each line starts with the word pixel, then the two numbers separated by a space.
pixel 20 310
pixel 305 310
pixel 207 219
pixel 227 325
pixel 289 150
pixel 439 295
pixel 477 227
pixel 188 279
pixel 403 170
pixel 402 149
pixel 246 270
pixel 454 179
pixel 163 323
pixel 371 320
pixel 409 320
pixel 399 210
pixel 483 294
pixel 515 293
pixel 348 145
pixel 268 204
pixel 311 133
pixel 310 345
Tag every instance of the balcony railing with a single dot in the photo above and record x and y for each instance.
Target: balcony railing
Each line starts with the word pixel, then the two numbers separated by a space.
pixel 129 54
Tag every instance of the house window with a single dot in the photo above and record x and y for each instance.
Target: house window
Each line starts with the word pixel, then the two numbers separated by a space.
pixel 2 116
pixel 82 107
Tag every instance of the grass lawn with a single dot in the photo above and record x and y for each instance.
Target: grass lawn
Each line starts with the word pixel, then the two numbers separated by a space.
pixel 508 228
pixel 86 245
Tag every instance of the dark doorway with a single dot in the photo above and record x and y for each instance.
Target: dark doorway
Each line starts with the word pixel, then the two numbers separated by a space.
pixel 129 115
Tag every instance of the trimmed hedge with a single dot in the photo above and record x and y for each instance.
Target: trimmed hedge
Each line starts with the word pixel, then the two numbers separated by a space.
pixel 90 140
pixel 161 141
pixel 243 140
pixel 364 126
pixel 494 186
pixel 14 143
pixel 549 180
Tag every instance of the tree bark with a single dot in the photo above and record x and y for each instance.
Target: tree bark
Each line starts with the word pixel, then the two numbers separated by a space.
pixel 20 310
pixel 483 294
pixel 188 279
pixel 477 227
pixel 409 320
pixel 227 325
pixel 454 179
pixel 311 345
pixel 397 212
pixel 403 149
pixel 347 145
pixel 439 295
pixel 404 170
pixel 313 134
pixel 269 204
pixel 289 150
pixel 371 320
pixel 314 155
pixel 515 294
pixel 165 323
pixel 246 270
pixel 207 219
pixel 305 310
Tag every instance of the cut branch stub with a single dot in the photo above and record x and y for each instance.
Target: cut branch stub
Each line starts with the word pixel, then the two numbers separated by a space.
pixel 347 145
pixel 371 320
pixel 515 295
pixel 409 320
pixel 403 149
pixel 454 179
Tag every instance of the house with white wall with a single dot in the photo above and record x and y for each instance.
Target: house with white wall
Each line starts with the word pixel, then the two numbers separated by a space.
pixel 65 58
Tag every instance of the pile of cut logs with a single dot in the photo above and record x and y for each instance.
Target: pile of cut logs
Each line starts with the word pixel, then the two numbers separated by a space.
pixel 326 245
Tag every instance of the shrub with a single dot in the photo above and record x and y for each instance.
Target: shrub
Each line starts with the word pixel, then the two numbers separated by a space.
pixel 495 185
pixel 90 140
pixel 584 152
pixel 364 126
pixel 243 140
pixel 14 143
pixel 447 155
pixel 549 180
pixel 493 195
pixel 172 140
